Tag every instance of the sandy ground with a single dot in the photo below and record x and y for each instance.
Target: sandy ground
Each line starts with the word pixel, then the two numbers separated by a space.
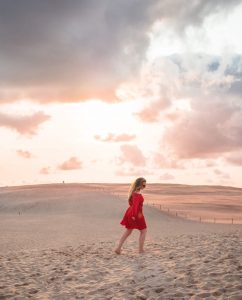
pixel 57 241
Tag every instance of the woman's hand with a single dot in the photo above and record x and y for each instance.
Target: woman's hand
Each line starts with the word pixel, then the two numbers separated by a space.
pixel 140 215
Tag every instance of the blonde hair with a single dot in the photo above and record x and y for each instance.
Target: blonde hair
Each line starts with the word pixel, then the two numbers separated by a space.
pixel 135 186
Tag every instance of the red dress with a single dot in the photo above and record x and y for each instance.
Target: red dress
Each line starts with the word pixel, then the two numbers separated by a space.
pixel 135 209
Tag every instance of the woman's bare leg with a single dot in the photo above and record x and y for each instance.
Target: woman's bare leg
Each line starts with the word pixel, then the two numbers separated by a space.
pixel 122 240
pixel 142 240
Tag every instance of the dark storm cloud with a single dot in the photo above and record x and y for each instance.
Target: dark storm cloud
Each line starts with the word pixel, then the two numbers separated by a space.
pixel 72 50
pixel 59 50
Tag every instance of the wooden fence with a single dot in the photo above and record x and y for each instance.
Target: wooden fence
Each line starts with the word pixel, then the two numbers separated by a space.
pixel 189 216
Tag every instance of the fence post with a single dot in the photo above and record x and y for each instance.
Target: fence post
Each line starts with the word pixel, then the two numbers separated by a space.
pixel 176 213
pixel 160 206
pixel 232 221
pixel 200 219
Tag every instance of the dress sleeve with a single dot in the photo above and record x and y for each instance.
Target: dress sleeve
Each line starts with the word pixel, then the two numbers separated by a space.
pixel 136 205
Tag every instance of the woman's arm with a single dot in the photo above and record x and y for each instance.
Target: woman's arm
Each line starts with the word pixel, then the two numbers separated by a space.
pixel 136 207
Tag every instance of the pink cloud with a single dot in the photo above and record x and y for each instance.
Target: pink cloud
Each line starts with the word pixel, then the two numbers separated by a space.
pixel 71 164
pixel 221 174
pixel 94 161
pixel 217 172
pixel 151 113
pixel 116 138
pixel 25 154
pixel 234 158
pixel 159 85
pixel 210 128
pixel 27 125
pixel 45 170
pixel 133 155
pixel 172 116
pixel 210 163
pixel 166 162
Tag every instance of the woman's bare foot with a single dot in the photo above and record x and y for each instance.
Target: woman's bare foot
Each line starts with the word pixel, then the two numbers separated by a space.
pixel 117 251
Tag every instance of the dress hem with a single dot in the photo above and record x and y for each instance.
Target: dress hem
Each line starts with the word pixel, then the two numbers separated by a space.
pixel 133 227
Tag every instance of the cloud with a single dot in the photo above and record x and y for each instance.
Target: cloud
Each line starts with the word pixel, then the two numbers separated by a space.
pixel 210 163
pixel 203 117
pixel 71 164
pixel 25 154
pixel 217 172
pixel 167 79
pixel 172 116
pixel 45 170
pixel 26 125
pixel 116 138
pixel 212 127
pixel 158 85
pixel 201 163
pixel 94 161
pixel 221 174
pixel 234 158
pixel 132 154
pixel 165 161
pixel 56 53
pixel 179 15
pixel 152 111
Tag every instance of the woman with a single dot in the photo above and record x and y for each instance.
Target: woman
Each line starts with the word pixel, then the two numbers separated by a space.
pixel 133 217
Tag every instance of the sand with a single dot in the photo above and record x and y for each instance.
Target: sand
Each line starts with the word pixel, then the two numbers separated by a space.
pixel 57 242
pixel 210 203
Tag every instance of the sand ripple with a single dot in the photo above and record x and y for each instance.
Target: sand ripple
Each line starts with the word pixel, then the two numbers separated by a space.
pixel 204 266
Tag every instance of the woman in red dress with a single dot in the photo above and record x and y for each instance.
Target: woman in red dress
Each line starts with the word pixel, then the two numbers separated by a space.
pixel 134 217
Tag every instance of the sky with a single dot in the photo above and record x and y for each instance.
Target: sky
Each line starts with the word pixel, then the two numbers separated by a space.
pixel 107 91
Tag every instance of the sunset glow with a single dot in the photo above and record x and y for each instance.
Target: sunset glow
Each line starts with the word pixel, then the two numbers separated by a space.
pixel 155 94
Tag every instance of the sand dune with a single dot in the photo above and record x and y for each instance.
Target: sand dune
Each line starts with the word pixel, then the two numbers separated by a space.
pixel 57 242
pixel 212 203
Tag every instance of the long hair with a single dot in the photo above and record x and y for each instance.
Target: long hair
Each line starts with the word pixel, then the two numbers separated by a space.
pixel 135 186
